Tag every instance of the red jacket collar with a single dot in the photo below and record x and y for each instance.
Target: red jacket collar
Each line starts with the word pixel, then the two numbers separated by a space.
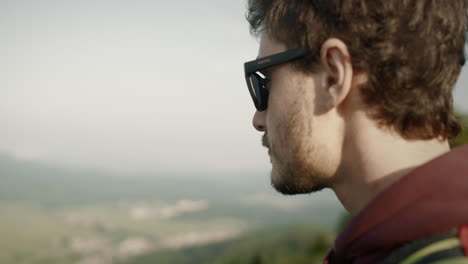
pixel 431 199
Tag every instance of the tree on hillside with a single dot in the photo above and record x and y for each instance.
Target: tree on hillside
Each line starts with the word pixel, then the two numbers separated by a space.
pixel 463 137
pixel 256 259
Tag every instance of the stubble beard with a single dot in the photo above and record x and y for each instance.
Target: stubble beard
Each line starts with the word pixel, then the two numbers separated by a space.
pixel 296 168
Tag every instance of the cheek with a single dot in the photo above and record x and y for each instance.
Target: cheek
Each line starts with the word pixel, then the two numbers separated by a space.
pixel 285 131
pixel 279 104
pixel 288 114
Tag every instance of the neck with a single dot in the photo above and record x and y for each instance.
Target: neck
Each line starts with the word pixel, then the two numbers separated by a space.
pixel 373 159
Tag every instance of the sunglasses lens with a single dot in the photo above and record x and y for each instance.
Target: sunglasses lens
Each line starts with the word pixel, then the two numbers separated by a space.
pixel 257 87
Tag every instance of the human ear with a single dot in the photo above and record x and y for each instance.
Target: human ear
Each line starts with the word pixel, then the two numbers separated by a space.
pixel 338 71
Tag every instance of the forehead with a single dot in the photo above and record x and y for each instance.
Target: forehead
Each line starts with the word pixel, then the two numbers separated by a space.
pixel 269 46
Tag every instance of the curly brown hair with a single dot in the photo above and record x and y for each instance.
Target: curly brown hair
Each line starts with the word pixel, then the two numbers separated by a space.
pixel 411 50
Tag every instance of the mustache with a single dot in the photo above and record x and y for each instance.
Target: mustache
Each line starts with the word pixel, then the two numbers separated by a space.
pixel 265 141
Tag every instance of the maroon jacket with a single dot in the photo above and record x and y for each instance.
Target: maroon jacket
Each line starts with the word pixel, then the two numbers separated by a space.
pixel 431 199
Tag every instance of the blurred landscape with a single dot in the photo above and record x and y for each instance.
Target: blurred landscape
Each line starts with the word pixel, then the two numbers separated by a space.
pixel 77 216
pixel 177 172
pixel 55 215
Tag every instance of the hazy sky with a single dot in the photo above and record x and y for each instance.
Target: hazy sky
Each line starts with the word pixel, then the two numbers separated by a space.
pixel 131 85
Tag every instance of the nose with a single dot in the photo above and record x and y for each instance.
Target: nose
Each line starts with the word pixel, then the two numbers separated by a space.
pixel 259 121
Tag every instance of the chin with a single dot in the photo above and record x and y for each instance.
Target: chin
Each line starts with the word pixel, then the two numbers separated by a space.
pixel 294 182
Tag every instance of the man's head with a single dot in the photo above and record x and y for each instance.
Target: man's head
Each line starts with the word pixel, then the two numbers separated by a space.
pixel 397 61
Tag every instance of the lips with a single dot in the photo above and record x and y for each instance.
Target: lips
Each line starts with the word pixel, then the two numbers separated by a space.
pixel 265 142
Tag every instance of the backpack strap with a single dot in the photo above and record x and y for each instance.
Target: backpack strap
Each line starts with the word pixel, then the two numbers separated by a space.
pixel 432 249
pixel 455 260
pixel 427 250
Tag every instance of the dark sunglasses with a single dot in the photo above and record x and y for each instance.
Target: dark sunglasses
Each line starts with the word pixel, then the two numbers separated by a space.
pixel 257 81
